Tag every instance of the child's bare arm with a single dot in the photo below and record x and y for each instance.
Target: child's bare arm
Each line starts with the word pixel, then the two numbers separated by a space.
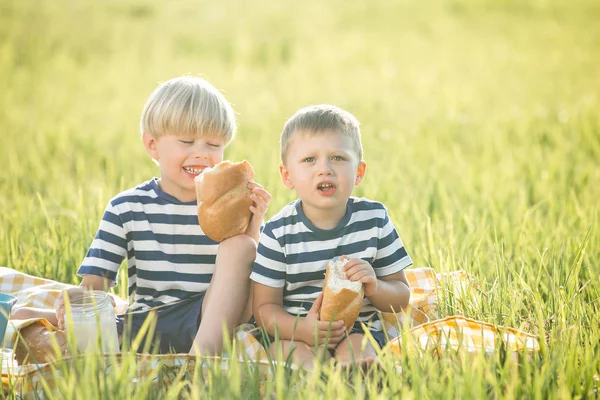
pixel 389 294
pixel 94 282
pixel 269 314
pixel 267 305
pixel 392 294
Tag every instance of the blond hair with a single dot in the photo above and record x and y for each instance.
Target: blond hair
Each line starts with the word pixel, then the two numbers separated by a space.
pixel 188 106
pixel 319 119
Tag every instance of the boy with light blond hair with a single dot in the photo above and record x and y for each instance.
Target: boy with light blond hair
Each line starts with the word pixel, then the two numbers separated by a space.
pixel 193 285
pixel 321 154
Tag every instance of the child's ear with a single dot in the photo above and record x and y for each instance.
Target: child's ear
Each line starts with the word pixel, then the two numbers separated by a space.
pixel 285 176
pixel 150 145
pixel 360 172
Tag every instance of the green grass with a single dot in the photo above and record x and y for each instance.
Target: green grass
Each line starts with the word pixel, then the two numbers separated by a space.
pixel 481 132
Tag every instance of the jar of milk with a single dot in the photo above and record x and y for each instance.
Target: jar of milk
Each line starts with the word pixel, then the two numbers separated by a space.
pixel 9 363
pixel 92 320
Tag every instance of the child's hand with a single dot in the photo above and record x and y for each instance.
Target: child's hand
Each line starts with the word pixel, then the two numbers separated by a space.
pixel 60 308
pixel 333 334
pixel 260 203
pixel 358 270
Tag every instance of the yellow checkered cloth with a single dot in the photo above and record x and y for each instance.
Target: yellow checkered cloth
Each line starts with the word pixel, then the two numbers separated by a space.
pixel 32 291
pixel 37 292
pixel 421 315
pixel 461 334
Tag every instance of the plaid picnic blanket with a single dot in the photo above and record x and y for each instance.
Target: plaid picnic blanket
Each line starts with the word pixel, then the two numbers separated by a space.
pixel 37 292
pixel 458 333
pixel 421 316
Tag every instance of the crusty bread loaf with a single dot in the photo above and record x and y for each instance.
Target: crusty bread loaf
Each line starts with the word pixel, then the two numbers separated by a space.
pixel 224 199
pixel 342 298
pixel 35 343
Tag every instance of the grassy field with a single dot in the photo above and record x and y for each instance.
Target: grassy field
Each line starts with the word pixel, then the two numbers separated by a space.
pixel 481 132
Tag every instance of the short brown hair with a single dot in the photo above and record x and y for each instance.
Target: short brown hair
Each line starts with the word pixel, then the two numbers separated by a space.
pixel 320 118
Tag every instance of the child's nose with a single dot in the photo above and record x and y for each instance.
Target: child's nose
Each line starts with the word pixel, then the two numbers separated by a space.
pixel 200 152
pixel 325 168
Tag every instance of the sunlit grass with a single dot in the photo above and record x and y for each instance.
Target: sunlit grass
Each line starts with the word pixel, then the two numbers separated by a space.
pixel 481 134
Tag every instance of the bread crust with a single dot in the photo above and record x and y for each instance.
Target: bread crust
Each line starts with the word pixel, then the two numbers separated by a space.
pixel 224 199
pixel 35 344
pixel 344 304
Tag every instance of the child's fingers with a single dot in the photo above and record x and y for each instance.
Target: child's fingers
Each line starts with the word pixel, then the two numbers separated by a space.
pixel 332 338
pixel 255 211
pixel 332 332
pixel 352 263
pixel 359 275
pixel 258 188
pixel 74 290
pixel 262 198
pixel 251 185
pixel 335 325
pixel 259 213
pixel 316 307
pixel 337 333
pixel 357 269
pixel 349 264
pixel 350 270
pixel 259 202
pixel 260 191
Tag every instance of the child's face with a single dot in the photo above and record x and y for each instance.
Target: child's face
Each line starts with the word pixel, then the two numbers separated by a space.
pixel 181 159
pixel 323 168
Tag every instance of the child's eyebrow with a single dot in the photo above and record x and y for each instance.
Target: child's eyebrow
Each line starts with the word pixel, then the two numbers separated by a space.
pixel 342 151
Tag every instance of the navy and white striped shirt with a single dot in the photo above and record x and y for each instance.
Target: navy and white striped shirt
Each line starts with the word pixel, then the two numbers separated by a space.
pixel 169 257
pixel 293 253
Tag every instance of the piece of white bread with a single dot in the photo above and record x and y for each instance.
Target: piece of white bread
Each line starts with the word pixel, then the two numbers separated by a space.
pixel 342 298
pixel 224 199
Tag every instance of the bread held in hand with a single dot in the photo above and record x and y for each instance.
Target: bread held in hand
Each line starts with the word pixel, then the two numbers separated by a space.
pixel 224 199
pixel 342 298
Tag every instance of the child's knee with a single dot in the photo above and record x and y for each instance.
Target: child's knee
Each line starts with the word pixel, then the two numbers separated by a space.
pixel 283 348
pixel 355 347
pixel 243 245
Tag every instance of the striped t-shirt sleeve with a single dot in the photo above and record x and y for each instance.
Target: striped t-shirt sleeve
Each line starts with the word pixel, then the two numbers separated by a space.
pixel 391 255
pixel 108 249
pixel 270 266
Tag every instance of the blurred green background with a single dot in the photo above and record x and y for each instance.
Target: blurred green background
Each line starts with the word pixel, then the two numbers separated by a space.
pixel 480 119
pixel 480 126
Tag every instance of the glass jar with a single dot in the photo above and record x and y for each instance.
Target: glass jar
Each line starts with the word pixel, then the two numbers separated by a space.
pixel 92 314
pixel 9 363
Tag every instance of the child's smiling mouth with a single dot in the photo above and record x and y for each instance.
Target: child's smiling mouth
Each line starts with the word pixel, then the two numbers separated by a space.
pixel 194 170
